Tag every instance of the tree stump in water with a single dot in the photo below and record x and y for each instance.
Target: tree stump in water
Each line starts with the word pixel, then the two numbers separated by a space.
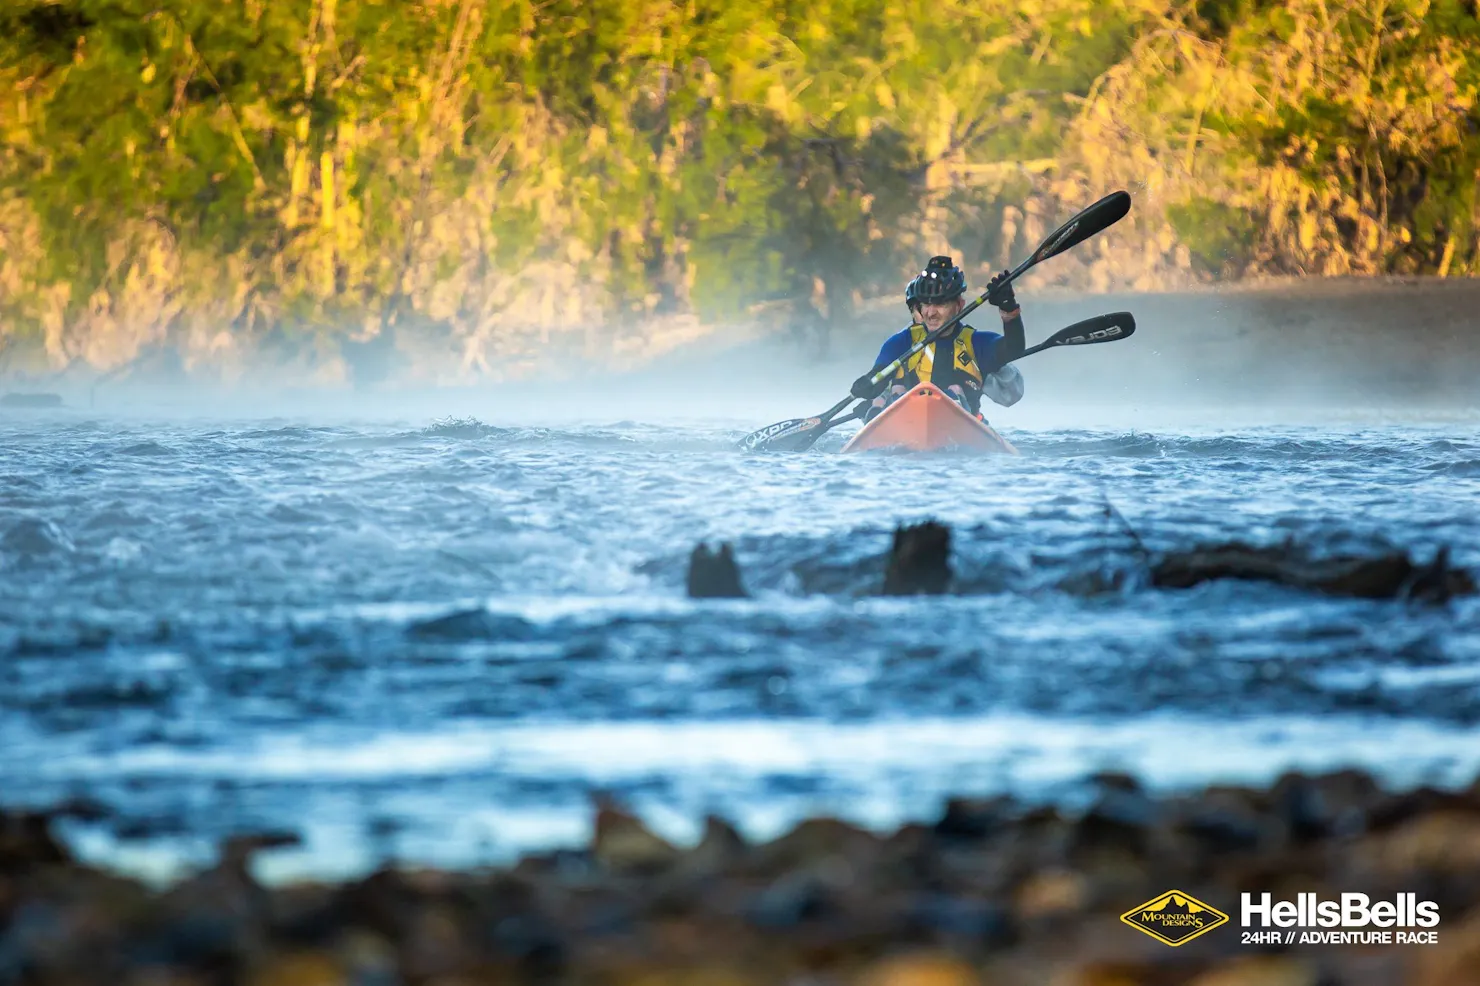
pixel 714 574
pixel 919 561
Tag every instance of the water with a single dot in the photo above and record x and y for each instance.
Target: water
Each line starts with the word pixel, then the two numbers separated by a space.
pixel 433 642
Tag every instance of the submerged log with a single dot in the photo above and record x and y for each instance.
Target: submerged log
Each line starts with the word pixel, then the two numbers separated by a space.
pixel 714 574
pixel 919 561
pixel 1390 576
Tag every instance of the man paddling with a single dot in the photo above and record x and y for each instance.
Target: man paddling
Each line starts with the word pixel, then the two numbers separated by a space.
pixel 966 363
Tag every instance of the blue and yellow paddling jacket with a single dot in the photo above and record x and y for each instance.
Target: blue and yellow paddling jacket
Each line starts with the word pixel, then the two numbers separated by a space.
pixel 969 349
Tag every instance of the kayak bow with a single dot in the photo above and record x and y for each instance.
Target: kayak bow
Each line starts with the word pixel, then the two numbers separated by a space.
pixel 928 420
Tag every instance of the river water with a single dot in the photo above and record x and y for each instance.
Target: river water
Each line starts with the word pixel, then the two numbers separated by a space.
pixel 433 641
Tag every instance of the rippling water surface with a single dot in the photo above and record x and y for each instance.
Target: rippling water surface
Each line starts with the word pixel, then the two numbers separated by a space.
pixel 434 641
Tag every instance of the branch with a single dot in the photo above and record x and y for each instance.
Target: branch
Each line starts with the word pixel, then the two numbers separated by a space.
pixel 237 136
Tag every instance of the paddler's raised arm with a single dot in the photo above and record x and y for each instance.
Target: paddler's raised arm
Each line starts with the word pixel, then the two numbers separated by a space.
pixel 999 293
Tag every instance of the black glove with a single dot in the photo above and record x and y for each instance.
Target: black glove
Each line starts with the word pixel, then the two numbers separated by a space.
pixel 865 389
pixel 999 293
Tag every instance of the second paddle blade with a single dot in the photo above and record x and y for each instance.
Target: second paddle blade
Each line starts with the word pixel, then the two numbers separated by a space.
pixel 1101 328
pixel 792 435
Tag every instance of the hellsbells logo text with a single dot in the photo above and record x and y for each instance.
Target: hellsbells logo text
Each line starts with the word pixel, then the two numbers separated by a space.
pixel 1390 921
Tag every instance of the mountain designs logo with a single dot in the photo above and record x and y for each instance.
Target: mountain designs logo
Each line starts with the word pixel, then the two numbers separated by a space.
pixel 1174 918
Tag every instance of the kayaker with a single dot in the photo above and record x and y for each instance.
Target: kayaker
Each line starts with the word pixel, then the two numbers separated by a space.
pixel 979 361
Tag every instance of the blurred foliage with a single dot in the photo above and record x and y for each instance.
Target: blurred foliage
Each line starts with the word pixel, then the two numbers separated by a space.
pixel 485 172
pixel 1219 236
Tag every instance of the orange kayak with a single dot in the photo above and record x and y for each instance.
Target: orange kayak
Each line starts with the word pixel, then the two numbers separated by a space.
pixel 927 420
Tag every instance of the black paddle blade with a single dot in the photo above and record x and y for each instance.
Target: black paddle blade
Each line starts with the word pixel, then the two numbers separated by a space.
pixel 1107 212
pixel 1101 328
pixel 791 435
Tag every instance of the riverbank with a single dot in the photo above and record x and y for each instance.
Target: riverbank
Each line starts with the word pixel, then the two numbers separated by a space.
pixel 1369 346
pixel 992 892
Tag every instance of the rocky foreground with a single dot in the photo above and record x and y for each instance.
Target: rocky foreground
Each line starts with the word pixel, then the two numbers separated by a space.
pixel 994 892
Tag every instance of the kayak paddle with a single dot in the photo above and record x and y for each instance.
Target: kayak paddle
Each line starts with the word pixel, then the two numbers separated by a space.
pixel 1101 328
pixel 797 434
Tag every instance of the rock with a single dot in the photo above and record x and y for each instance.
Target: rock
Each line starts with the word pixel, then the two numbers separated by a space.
pixel 203 939
pixel 26 841
pixel 237 851
pixel 1121 817
pixel 925 969
pixel 369 959
pixel 560 866
pixel 910 856
pixel 1300 804
pixel 978 922
pixel 826 903
pixel 623 844
pixel 35 943
pixel 688 885
pixel 1332 804
pixel 1446 841
pixel 535 945
pixel 435 944
pixel 1223 820
pixel 1455 960
pixel 1109 973
pixel 1116 780
pixel 217 918
pixel 818 842
pixel 1051 893
pixel 793 899
pixel 1261 970
pixel 720 847
pixel 301 969
pixel 381 903
pixel 1393 810
pixel 714 575
pixel 919 560
pixel 973 818
pixel 305 916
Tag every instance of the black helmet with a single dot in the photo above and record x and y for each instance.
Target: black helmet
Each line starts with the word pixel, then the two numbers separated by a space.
pixel 940 281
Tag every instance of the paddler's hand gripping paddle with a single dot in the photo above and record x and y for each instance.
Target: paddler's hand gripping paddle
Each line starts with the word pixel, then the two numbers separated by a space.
pixel 797 434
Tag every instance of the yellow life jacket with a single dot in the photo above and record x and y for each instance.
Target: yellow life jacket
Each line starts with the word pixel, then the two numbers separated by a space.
pixel 963 359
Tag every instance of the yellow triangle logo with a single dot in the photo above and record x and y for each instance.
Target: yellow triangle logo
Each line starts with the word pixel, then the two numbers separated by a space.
pixel 1174 918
